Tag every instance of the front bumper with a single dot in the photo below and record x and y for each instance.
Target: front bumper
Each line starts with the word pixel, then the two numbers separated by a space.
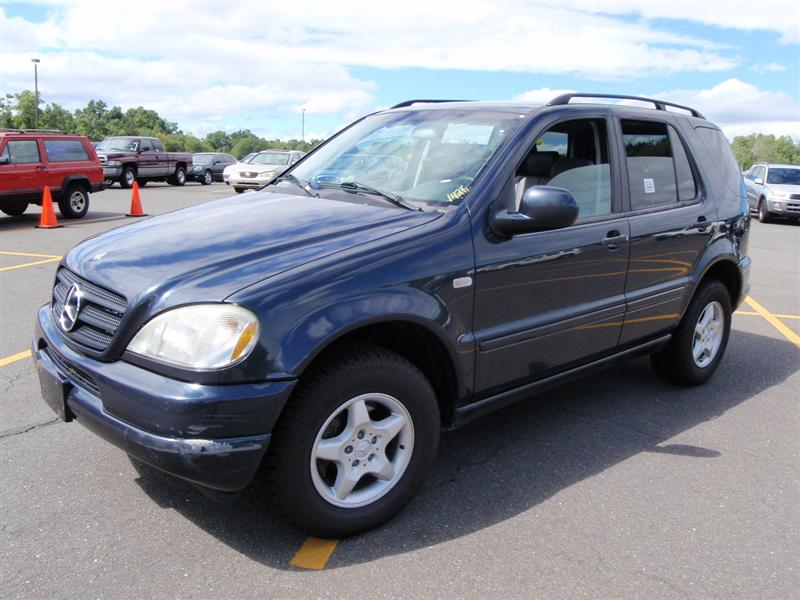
pixel 249 182
pixel 784 206
pixel 112 172
pixel 212 436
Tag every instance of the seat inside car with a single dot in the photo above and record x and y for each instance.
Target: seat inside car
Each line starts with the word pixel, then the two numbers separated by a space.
pixel 535 170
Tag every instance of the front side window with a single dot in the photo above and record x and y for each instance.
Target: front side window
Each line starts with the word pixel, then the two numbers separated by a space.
pixel 65 150
pixel 147 146
pixel 21 152
pixel 572 155
pixel 784 176
pixel 430 156
pixel 659 172
pixel 202 159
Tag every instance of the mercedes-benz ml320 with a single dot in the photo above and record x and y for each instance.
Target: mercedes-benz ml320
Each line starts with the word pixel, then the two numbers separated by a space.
pixel 424 266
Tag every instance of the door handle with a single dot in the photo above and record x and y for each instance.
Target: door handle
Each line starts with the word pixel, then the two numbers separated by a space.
pixel 614 239
pixel 40 168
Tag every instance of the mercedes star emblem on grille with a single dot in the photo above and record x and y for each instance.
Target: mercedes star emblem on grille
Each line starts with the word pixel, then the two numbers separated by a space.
pixel 72 306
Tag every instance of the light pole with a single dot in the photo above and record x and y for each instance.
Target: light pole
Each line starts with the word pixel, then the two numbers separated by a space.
pixel 303 125
pixel 36 62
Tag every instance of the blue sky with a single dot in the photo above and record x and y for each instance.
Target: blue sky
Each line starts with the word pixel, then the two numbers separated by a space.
pixel 231 65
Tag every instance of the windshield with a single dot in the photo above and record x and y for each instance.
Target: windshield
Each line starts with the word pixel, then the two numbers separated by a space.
pixel 202 159
pixel 787 176
pixel 424 155
pixel 270 158
pixel 120 143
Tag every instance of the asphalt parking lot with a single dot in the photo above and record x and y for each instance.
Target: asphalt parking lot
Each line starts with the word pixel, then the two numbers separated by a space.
pixel 615 486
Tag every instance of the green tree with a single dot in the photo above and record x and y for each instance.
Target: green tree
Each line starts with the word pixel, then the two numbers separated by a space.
pixel 758 147
pixel 57 117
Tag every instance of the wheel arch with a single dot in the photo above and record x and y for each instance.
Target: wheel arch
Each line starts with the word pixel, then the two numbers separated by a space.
pixel 726 271
pixel 411 337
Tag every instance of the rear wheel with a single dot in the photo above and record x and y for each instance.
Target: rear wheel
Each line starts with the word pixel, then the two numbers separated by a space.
pixel 14 209
pixel 355 443
pixel 127 177
pixel 763 212
pixel 179 178
pixel 74 203
pixel 699 342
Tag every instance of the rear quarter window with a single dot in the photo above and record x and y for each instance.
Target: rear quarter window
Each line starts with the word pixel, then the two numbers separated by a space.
pixel 722 156
pixel 65 150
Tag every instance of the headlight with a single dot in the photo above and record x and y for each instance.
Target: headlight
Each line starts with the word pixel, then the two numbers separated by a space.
pixel 197 168
pixel 201 336
pixel 777 194
pixel 112 163
pixel 266 173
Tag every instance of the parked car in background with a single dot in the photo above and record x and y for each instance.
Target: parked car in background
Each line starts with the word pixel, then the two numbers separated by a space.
pixel 30 160
pixel 226 173
pixel 262 168
pixel 327 332
pixel 208 166
pixel 134 158
pixel 773 190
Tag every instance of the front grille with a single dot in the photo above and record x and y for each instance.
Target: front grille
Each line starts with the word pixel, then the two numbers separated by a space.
pixel 99 316
pixel 795 196
pixel 793 207
pixel 103 159
pixel 74 373
pixel 248 174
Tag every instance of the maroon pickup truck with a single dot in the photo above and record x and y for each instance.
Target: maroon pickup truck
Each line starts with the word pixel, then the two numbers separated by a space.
pixel 133 158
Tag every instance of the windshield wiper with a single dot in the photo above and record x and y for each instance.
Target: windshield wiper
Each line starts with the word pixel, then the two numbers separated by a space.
pixel 359 188
pixel 303 185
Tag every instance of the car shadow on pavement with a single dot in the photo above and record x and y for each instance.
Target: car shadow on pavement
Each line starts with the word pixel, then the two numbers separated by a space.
pixel 508 462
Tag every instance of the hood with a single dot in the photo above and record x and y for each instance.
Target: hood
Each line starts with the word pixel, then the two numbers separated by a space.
pixel 208 252
pixel 784 188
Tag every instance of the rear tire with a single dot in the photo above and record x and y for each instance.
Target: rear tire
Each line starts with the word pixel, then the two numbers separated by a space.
pixel 74 202
pixel 127 177
pixel 14 209
pixel 763 212
pixel 387 406
pixel 179 178
pixel 696 349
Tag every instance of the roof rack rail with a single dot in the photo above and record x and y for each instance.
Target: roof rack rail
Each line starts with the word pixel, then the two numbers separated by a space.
pixel 14 130
pixel 423 101
pixel 659 104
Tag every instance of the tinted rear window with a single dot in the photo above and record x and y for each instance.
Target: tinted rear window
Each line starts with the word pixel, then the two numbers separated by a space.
pixel 65 150
pixel 722 156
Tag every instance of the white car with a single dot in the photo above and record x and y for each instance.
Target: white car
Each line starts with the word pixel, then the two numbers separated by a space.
pixel 226 172
pixel 260 169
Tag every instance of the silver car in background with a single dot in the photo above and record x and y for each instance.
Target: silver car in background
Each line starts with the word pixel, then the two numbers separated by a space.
pixel 773 190
pixel 261 169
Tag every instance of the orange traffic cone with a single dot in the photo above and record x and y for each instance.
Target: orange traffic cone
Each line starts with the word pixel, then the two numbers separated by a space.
pixel 48 219
pixel 136 202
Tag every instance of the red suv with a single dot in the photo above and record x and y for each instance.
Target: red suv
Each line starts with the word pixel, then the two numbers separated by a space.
pixel 30 160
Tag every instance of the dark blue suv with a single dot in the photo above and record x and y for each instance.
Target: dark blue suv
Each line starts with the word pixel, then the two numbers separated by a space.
pixel 426 265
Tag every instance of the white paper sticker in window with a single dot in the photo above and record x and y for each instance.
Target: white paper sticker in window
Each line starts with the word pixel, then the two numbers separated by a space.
pixel 649 186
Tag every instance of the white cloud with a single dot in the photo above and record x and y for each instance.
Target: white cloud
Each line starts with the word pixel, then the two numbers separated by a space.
pixel 740 108
pixel 781 17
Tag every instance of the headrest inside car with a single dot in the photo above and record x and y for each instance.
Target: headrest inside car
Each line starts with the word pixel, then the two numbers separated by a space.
pixel 538 164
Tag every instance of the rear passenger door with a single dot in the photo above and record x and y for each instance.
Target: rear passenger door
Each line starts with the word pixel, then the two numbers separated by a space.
pixel 670 220
pixel 64 157
pixel 549 300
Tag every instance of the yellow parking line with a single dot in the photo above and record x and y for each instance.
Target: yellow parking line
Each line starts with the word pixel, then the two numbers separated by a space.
pixel 14 358
pixel 34 255
pixel 773 320
pixel 755 314
pixel 30 264
pixel 314 554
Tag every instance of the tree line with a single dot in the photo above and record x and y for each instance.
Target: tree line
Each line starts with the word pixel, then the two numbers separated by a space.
pixel 97 120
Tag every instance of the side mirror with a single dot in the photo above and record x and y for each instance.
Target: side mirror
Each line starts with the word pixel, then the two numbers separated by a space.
pixel 758 181
pixel 542 207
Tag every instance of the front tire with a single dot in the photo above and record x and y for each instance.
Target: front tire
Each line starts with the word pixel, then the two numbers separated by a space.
pixel 699 342
pixel 238 190
pixel 763 212
pixel 207 178
pixel 354 444
pixel 74 203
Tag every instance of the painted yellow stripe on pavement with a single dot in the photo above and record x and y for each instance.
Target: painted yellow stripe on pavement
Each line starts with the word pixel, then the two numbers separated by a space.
pixel 14 358
pixel 314 554
pixel 30 264
pixel 773 320
pixel 755 314
pixel 34 255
